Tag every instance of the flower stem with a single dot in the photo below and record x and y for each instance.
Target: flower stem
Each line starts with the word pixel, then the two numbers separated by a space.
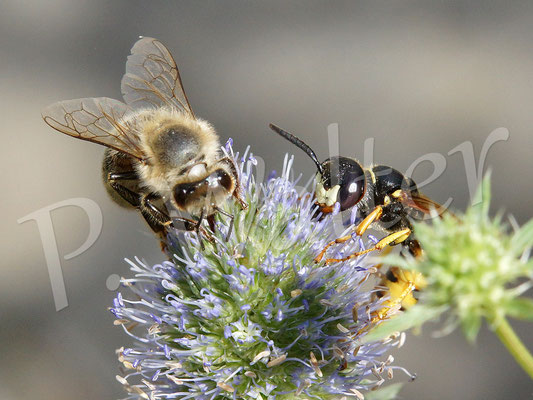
pixel 515 346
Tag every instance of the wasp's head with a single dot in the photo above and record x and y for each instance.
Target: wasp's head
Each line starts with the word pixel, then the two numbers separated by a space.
pixel 338 179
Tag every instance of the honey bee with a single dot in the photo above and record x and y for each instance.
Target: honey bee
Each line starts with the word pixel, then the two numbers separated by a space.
pixel 158 151
pixel 386 200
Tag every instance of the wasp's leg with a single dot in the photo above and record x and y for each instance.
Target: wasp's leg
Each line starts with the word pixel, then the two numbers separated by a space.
pixel 359 230
pixel 393 238
pixel 414 248
pixel 390 307
pixel 395 304
pixel 397 280
pixel 401 296
pixel 403 285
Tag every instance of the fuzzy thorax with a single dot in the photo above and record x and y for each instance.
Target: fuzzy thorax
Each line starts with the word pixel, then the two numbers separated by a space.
pixel 173 143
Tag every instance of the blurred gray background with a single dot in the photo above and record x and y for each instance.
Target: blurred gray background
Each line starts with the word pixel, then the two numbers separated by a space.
pixel 418 77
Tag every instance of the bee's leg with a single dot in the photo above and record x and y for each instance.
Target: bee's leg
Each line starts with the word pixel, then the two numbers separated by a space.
pixel 165 220
pixel 237 193
pixel 155 212
pixel 231 219
pixel 135 199
pixel 122 176
pixel 211 222
pixel 393 238
pixel 359 229
pixel 158 220
pixel 197 228
pixel 130 196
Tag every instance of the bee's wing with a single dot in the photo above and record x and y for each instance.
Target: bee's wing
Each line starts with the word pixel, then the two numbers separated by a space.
pixel 152 78
pixel 99 120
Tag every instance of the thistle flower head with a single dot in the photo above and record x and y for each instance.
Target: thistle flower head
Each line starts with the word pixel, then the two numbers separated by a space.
pixel 251 316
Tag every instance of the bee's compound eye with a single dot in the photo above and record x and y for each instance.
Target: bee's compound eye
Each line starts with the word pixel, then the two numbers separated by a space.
pixel 352 184
pixel 183 192
pixel 191 195
pixel 220 178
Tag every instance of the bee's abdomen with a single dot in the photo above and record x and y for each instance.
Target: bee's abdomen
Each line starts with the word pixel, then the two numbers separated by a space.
pixel 118 162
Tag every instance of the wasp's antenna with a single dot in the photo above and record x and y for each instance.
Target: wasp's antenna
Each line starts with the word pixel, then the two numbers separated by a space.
pixel 298 142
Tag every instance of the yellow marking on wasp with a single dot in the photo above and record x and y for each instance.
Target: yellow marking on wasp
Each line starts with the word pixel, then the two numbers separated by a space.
pixel 397 194
pixel 372 176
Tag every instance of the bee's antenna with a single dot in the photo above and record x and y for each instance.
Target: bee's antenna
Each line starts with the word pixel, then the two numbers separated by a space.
pixel 299 143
